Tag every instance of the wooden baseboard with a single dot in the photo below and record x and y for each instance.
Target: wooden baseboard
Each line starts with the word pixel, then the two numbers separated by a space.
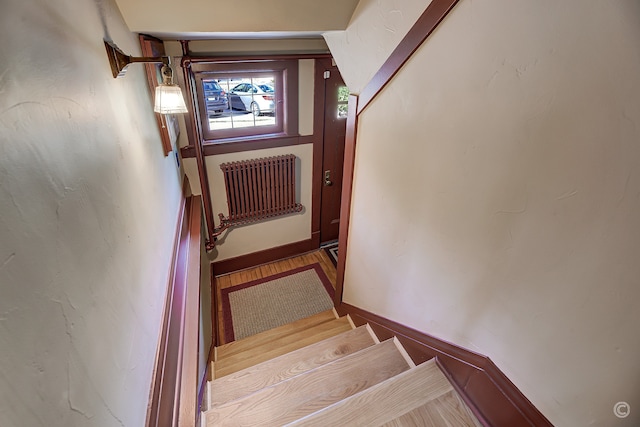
pixel 262 257
pixel 493 398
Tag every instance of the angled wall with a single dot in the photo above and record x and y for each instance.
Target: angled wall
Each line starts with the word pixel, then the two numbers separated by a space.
pixel 375 30
pixel 496 197
pixel 88 211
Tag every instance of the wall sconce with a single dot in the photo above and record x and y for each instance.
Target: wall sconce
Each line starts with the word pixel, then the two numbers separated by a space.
pixel 168 99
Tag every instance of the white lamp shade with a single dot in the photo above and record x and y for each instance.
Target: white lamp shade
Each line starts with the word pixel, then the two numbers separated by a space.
pixel 169 100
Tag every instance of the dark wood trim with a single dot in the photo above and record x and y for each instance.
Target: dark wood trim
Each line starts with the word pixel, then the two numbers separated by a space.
pixel 462 394
pixel 347 189
pixel 262 257
pixel 153 47
pixel 181 79
pixel 318 145
pixel 196 133
pixel 188 403
pixel 242 145
pixel 208 58
pixel 173 399
pixel 489 393
pixel 424 26
pixel 205 378
pixel 215 339
pixel 161 350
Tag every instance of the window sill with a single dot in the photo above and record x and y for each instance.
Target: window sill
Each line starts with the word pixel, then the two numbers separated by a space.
pixel 236 145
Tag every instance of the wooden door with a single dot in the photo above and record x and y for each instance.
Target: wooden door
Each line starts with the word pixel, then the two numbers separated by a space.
pixel 335 120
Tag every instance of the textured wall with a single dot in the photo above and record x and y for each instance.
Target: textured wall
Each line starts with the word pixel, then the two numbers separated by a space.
pixel 497 197
pixel 88 208
pixel 376 28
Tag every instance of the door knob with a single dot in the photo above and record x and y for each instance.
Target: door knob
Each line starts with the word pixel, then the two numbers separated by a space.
pixel 327 178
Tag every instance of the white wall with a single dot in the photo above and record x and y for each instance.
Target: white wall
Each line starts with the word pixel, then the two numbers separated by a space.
pixel 88 209
pixel 228 16
pixel 497 198
pixel 376 28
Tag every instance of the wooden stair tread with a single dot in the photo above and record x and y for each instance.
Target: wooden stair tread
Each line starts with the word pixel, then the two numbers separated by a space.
pixel 316 389
pixel 254 378
pixel 386 401
pixel 445 411
pixel 277 347
pixel 251 342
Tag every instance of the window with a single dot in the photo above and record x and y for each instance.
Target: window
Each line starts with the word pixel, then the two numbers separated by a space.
pixel 343 102
pixel 251 103
pixel 247 100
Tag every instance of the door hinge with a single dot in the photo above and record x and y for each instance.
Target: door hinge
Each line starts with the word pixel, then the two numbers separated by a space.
pixel 327 74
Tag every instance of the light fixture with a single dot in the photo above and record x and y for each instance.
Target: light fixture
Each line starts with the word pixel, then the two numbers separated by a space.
pixel 168 99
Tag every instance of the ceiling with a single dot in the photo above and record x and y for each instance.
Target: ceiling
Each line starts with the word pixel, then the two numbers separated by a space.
pixel 228 19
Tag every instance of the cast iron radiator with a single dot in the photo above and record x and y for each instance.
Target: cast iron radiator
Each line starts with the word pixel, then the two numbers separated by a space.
pixel 259 189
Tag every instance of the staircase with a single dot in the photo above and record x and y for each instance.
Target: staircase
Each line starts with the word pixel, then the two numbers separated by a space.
pixel 323 371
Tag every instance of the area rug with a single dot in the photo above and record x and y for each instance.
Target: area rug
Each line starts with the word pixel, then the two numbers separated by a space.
pixel 332 250
pixel 273 301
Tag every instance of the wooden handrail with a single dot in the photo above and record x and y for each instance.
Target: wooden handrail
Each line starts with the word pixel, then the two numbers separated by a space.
pixel 194 132
pixel 173 400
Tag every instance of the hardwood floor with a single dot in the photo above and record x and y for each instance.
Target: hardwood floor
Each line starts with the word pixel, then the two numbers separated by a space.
pixel 266 270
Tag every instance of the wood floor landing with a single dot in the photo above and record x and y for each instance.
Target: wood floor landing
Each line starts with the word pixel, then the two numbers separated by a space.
pixel 266 270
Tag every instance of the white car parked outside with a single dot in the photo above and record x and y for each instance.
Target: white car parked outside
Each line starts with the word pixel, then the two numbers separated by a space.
pixel 257 98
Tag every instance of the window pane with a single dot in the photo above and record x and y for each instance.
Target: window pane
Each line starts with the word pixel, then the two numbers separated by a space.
pixel 257 99
pixel 343 101
pixel 242 101
pixel 343 93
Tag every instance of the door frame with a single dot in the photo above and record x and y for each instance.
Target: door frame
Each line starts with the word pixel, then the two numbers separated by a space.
pixel 318 146
pixel 332 155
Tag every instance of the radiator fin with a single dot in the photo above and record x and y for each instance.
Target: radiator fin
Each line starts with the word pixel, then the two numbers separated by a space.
pixel 260 188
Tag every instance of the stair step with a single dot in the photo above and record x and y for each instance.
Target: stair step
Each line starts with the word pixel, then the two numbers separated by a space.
pixel 316 389
pixel 248 343
pixel 281 368
pixel 277 347
pixel 445 411
pixel 399 401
